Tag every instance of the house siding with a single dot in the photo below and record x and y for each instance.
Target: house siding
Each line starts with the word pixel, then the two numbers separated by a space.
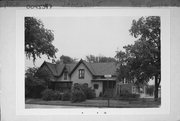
pixel 62 78
pixel 87 77
pixel 99 90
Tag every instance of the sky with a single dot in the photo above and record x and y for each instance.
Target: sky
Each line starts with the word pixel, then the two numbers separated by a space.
pixel 78 37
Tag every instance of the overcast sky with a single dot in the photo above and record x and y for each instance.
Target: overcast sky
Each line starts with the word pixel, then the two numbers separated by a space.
pixel 78 37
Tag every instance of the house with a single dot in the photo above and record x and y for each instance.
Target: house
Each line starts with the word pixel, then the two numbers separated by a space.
pixel 99 76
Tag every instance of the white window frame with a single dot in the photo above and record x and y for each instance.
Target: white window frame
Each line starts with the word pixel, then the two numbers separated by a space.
pixel 133 89
pixel 66 75
pixel 81 73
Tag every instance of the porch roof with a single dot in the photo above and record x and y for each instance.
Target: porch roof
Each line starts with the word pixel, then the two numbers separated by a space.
pixel 62 81
pixel 105 79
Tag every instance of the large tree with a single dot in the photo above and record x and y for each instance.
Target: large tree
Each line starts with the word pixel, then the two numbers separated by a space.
pixel 38 40
pixel 143 58
pixel 66 60
pixel 99 59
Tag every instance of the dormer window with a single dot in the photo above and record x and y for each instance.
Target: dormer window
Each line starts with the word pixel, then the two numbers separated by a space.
pixel 65 75
pixel 81 73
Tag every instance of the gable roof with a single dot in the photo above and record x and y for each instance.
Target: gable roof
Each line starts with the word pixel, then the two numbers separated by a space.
pixel 104 68
pixel 85 64
pixel 57 69
pixel 51 67
pixel 96 69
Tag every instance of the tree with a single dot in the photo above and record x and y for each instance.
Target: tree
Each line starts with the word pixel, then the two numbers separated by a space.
pixel 147 30
pixel 91 58
pixel 143 57
pixel 99 59
pixel 121 58
pixel 31 71
pixel 33 85
pixel 38 40
pixel 66 60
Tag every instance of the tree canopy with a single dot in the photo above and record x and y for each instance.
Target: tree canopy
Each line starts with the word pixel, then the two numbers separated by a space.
pixel 38 40
pixel 66 60
pixel 99 59
pixel 142 60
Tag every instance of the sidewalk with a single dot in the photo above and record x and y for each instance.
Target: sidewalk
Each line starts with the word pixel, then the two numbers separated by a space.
pixel 96 103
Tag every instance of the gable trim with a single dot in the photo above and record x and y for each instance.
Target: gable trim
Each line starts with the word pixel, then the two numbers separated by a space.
pixel 81 61
pixel 44 63
pixel 62 71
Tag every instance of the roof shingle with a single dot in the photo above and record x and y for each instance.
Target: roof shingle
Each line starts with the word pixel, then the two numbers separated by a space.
pixel 97 69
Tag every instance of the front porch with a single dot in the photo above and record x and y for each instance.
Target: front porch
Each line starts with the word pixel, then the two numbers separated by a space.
pixel 104 87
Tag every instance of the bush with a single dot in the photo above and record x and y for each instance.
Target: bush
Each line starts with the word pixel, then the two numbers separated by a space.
pixel 66 96
pixel 89 93
pixel 124 92
pixel 128 95
pixel 49 94
pixel 57 95
pixel 78 96
pixel 34 87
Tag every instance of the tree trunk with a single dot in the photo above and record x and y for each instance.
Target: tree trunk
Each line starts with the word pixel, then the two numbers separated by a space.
pixel 156 88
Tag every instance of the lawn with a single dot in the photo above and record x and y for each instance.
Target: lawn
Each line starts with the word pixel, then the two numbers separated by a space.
pixel 140 103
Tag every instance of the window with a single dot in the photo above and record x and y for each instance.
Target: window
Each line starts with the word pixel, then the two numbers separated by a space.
pixel 65 75
pixel 76 84
pixel 133 89
pixel 81 73
pixel 85 84
pixel 96 86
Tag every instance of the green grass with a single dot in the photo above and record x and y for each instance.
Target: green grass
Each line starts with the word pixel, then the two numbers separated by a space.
pixel 141 103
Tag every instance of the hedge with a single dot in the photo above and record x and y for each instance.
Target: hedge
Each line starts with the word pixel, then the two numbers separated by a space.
pixel 78 96
pixel 49 94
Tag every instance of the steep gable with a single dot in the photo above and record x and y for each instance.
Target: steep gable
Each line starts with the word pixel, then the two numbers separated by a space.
pixel 57 69
pixel 85 64
pixel 98 69
pixel 95 69
pixel 81 74
pixel 51 67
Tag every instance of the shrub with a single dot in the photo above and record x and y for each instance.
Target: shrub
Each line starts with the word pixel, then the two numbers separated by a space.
pixel 89 93
pixel 66 96
pixel 124 92
pixel 128 95
pixel 33 87
pixel 82 92
pixel 57 95
pixel 78 96
pixel 49 94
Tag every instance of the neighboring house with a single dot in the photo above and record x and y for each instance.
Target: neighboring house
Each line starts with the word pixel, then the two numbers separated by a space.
pixel 99 76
